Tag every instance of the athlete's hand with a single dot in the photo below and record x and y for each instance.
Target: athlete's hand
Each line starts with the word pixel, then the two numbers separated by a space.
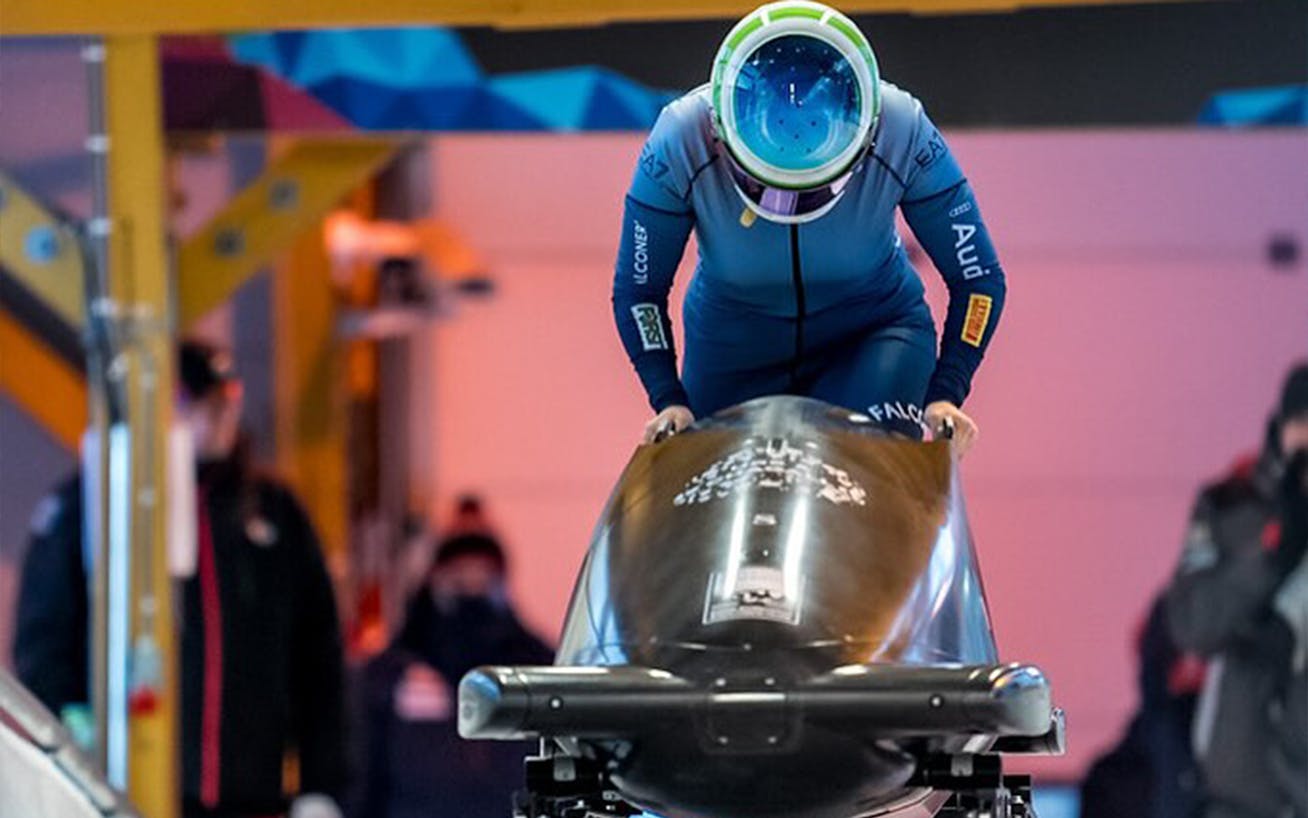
pixel 965 430
pixel 668 422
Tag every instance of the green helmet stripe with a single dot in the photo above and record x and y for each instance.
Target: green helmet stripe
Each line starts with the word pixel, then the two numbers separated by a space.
pixel 751 24
pixel 743 29
pixel 854 35
pixel 795 11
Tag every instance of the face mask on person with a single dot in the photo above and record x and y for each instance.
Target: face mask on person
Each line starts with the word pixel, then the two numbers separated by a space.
pixel 214 421
pixel 1294 435
pixel 470 588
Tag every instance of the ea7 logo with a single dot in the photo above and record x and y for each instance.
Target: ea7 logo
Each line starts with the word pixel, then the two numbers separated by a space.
pixel 965 249
pixel 933 151
pixel 654 167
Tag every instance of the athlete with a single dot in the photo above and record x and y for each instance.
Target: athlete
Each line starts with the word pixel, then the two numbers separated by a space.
pixel 789 166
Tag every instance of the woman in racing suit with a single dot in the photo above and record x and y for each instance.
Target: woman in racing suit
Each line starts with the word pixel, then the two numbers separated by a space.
pixel 789 166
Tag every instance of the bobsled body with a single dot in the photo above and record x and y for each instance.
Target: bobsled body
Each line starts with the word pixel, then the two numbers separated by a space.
pixel 780 614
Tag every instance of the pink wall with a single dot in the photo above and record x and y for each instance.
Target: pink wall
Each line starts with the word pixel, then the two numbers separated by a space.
pixel 1142 345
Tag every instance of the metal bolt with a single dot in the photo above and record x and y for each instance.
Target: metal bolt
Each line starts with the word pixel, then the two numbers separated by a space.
pixel 230 241
pixel 283 194
pixel 41 244
pixel 936 701
pixel 774 740
pixel 556 703
pixel 723 740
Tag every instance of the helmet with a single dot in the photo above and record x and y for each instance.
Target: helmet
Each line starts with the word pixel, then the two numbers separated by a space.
pixel 796 96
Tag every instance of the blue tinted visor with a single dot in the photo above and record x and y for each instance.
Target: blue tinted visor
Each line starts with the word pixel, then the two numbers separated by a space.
pixel 796 103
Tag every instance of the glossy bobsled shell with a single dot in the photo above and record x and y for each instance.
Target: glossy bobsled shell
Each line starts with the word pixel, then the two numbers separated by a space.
pixel 780 616
pixel 786 534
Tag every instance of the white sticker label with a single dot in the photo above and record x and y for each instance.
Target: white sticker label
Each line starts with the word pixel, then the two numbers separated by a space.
pixel 650 323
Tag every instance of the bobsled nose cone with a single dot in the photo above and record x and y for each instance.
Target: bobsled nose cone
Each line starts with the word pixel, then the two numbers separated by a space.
pixel 1023 694
pixel 492 703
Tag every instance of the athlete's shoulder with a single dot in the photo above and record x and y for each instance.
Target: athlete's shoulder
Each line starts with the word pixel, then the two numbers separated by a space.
pixel 684 130
pixel 692 112
pixel 680 143
pixel 910 145
pixel 901 115
pixel 899 108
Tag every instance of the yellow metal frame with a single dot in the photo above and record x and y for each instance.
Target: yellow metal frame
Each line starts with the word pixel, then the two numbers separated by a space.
pixel 41 383
pixel 309 389
pixel 31 17
pixel 140 285
pixel 265 218
pixel 40 251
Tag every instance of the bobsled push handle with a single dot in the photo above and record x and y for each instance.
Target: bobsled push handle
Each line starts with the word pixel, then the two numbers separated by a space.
pixel 947 429
pixel 666 430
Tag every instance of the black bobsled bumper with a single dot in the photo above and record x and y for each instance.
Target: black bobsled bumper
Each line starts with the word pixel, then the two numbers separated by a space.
pixel 874 701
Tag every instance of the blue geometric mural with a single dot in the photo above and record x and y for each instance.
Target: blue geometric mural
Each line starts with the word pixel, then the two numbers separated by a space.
pixel 1283 105
pixel 425 79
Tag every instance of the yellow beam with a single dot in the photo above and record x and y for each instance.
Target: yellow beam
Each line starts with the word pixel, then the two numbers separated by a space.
pixel 264 219
pixel 42 384
pixel 40 251
pixel 30 17
pixel 139 283
pixel 310 391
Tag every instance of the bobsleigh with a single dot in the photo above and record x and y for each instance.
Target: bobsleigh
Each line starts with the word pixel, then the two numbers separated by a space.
pixel 780 615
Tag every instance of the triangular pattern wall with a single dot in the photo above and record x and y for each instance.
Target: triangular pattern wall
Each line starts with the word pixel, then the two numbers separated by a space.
pixel 426 79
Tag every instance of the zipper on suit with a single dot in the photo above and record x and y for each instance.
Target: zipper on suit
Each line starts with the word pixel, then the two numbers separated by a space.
pixel 797 279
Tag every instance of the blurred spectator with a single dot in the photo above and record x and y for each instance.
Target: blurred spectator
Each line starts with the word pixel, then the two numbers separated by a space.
pixel 1152 773
pixel 416 764
pixel 260 652
pixel 1240 597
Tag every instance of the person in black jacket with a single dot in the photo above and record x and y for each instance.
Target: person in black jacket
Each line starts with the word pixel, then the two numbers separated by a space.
pixel 261 664
pixel 1151 772
pixel 1240 598
pixel 416 764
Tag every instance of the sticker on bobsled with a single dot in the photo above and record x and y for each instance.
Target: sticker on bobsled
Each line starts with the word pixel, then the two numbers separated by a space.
pixel 773 463
pixel 758 593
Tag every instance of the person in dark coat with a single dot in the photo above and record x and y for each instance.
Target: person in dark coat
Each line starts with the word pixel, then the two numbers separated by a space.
pixel 416 765
pixel 261 662
pixel 1240 598
pixel 1151 772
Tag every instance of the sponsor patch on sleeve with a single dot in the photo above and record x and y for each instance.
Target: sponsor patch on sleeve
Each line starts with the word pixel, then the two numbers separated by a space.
pixel 650 323
pixel 978 318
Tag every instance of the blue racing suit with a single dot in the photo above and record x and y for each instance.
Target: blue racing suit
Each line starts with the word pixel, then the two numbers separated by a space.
pixel 830 309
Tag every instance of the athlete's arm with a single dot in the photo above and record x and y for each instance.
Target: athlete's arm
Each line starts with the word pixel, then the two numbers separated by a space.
pixel 948 225
pixel 656 222
pixel 653 241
